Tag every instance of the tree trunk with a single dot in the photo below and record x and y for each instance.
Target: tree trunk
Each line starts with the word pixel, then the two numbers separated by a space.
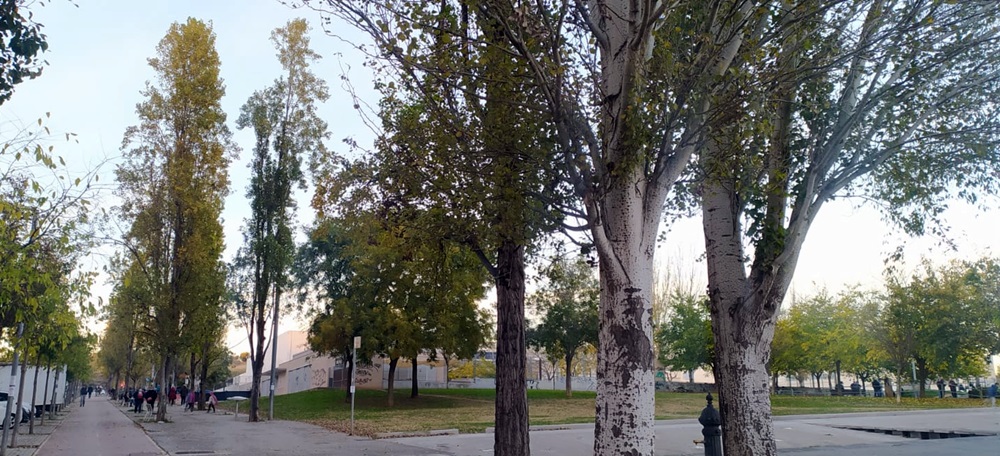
pixel 625 380
pixel 192 367
pixel 392 378
pixel 569 376
pixel 55 384
pixel 744 312
pixel 20 400
pixel 742 379
pixel 447 370
pixel 159 403
pixel 34 393
pixel 256 364
pixel 204 374
pixel 922 374
pixel 511 433
pixel 45 391
pixel 414 388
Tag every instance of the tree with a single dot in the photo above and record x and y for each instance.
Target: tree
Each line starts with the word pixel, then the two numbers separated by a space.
pixel 20 47
pixel 404 297
pixel 463 142
pixel 619 159
pixel 286 127
pixel 684 342
pixel 937 315
pixel 888 100
pixel 568 305
pixel 172 186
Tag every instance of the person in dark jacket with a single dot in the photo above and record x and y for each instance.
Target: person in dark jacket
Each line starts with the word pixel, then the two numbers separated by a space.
pixel 137 401
pixel 83 396
pixel 150 398
pixel 954 388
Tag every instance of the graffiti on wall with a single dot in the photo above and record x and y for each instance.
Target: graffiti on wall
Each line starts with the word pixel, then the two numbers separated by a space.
pixel 366 374
pixel 319 378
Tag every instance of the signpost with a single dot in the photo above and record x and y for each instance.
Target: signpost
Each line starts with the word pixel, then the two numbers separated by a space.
pixel 354 374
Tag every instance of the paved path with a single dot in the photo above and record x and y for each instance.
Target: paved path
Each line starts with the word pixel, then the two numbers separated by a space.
pixel 97 429
pixel 201 433
pixel 101 428
pixel 805 434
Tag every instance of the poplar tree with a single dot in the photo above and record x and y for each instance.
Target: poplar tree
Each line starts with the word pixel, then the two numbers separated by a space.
pixel 172 186
pixel 286 126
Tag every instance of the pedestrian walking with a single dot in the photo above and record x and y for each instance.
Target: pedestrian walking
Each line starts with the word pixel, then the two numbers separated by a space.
pixel 150 398
pixel 137 401
pixel 83 395
pixel 90 391
pixel 954 388
pixel 992 394
pixel 190 401
pixel 212 401
pixel 172 395
pixel 940 385
pixel 877 388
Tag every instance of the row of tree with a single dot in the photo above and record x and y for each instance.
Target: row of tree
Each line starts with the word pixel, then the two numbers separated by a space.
pixel 45 230
pixel 508 120
pixel 940 322
pixel 503 123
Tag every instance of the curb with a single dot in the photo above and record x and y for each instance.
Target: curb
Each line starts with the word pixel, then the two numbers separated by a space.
pixel 124 412
pixel 394 435
pixel 548 427
pixel 54 429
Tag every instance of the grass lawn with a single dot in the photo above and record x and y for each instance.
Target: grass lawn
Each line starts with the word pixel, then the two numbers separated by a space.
pixel 471 410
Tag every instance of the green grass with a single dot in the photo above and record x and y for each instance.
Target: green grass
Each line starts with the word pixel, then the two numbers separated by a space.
pixel 471 410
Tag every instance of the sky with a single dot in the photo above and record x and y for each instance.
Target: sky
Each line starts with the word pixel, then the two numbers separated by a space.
pixel 97 68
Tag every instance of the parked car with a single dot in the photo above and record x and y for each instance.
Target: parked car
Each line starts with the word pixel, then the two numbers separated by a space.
pixel 25 412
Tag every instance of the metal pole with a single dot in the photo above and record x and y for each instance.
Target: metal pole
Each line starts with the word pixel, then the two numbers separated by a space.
pixel 354 371
pixel 10 391
pixel 274 358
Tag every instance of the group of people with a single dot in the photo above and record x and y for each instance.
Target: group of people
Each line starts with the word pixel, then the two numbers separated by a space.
pixel 951 385
pixel 136 398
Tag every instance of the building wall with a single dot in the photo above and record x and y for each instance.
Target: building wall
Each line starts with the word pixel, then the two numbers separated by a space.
pixel 289 343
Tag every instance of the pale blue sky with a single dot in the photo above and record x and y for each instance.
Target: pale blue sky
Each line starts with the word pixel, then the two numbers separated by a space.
pixel 98 66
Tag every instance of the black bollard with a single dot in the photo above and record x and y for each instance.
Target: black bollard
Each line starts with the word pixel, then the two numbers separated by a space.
pixel 711 423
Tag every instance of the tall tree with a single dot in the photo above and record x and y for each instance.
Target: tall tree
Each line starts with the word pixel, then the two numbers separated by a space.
pixel 172 186
pixel 620 159
pixel 946 319
pixel 463 141
pixel 568 305
pixel 286 127
pixel 891 100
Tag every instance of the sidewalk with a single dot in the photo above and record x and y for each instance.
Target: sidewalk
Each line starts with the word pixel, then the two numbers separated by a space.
pixel 223 434
pixel 97 429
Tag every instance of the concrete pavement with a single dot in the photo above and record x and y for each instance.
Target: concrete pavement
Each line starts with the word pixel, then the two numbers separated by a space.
pixel 794 434
pixel 201 433
pixel 97 429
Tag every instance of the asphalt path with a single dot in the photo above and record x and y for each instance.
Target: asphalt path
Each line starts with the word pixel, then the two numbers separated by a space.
pixel 98 429
pixel 104 429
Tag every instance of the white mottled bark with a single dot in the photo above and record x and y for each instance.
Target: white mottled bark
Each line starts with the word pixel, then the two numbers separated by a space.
pixel 625 387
